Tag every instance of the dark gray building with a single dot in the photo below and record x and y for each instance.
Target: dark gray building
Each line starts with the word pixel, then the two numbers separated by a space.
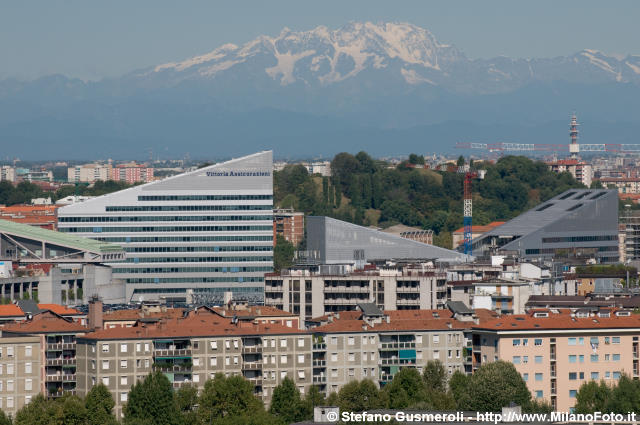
pixel 331 241
pixel 579 223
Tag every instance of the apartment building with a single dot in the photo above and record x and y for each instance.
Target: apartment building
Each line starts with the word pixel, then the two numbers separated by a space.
pixel 289 224
pixel 192 350
pixel 56 338
pixel 313 293
pixel 372 344
pixel 507 296
pixel 557 352
pixel 622 184
pixel 20 362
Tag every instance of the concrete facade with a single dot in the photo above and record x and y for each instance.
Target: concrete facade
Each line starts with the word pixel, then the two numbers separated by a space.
pixel 20 366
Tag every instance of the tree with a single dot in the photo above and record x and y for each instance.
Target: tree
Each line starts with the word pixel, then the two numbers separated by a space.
pixel 592 397
pixel 435 376
pixel 99 404
pixel 4 419
pixel 151 401
pixel 358 396
pixel 186 401
pixel 38 412
pixel 283 253
pixel 496 385
pixel 625 396
pixel 406 389
pixel 227 397
pixel 459 384
pixel 416 159
pixel 70 410
pixel 312 399
pixel 460 161
pixel 286 403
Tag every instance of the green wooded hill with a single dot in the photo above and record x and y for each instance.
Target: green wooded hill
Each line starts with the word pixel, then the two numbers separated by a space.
pixel 372 192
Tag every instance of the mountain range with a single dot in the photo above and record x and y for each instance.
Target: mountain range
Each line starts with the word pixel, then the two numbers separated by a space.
pixel 388 88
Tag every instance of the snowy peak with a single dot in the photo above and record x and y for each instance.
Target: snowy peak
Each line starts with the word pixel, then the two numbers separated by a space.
pixel 325 56
pixel 368 53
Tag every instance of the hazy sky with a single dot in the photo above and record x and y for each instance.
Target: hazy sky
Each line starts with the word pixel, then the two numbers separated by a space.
pixel 94 39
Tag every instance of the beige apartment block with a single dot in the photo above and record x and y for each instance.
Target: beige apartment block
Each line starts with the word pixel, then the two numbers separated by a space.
pixel 20 377
pixel 371 344
pixel 192 350
pixel 557 352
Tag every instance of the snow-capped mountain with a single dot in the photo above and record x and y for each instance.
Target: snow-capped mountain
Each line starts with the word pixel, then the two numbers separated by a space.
pixel 401 51
pixel 383 87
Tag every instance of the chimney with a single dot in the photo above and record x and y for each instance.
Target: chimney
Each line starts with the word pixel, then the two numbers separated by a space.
pixel 95 313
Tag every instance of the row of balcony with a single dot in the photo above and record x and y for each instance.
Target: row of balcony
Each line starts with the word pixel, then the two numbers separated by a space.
pixel 61 362
pixel 396 345
pixel 396 361
pixel 252 349
pixel 61 393
pixel 60 378
pixel 185 352
pixel 61 346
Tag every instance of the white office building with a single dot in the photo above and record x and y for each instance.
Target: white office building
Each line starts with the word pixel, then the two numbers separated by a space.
pixel 189 237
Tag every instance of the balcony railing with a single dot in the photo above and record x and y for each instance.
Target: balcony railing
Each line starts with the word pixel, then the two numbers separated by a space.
pixel 184 352
pixel 319 363
pixel 60 378
pixel 61 346
pixel 61 362
pixel 61 393
pixel 252 365
pixel 319 346
pixel 252 349
pixel 396 345
pixel 319 379
pixel 179 384
pixel 397 361
pixel 173 368
pixel 386 378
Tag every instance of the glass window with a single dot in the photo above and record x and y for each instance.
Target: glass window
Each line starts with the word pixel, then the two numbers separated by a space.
pixel 594 358
pixel 525 377
pixel 581 358
pixel 573 376
pixel 539 394
pixel 615 340
pixel 538 376
pixel 572 341
pixel 573 358
pixel 516 342
pixel 538 359
pixel 595 376
pixel 572 393
pixel 516 360
pixel 616 357
pixel 525 341
pixel 537 341
pixel 616 375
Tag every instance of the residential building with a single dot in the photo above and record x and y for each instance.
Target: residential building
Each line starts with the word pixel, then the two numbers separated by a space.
pixel 57 350
pixel 131 173
pixel 207 231
pixel 558 352
pixel 20 366
pixel 351 345
pixel 7 173
pixel 88 173
pixel 289 224
pixel 578 223
pixel 476 231
pixel 331 241
pixel 581 171
pixel 372 344
pixel 42 175
pixel 192 350
pixel 24 309
pixel 43 216
pixel 312 293
pixel 630 185
pixel 506 296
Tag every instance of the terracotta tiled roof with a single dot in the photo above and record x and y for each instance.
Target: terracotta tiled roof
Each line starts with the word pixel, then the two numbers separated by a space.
pixel 10 310
pixel 482 229
pixel 560 321
pixel 418 314
pixel 194 326
pixel 46 322
pixel 60 309
pixel 256 311
pixel 170 313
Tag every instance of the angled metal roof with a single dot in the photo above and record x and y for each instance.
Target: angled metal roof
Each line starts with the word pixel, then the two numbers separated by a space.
pixel 370 309
pixel 548 212
pixel 57 238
